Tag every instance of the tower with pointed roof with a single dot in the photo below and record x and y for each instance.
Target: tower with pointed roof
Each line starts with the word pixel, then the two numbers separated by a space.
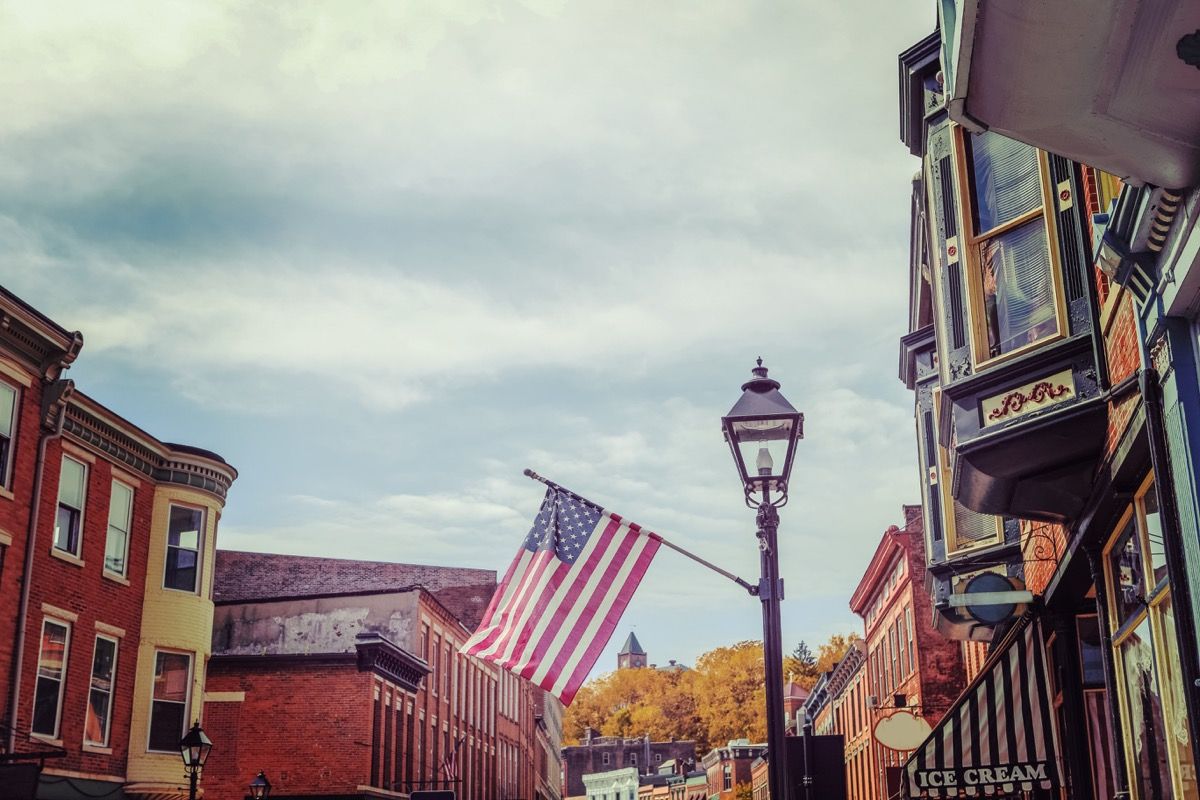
pixel 632 654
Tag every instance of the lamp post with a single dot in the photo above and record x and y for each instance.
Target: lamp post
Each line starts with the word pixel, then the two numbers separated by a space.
pixel 260 787
pixel 762 429
pixel 194 747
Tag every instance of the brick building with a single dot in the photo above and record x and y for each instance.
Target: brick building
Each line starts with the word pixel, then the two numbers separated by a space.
pixel 352 669
pixel 728 767
pixel 547 716
pixel 107 537
pixel 852 719
pixel 909 664
pixel 1051 348
pixel 604 753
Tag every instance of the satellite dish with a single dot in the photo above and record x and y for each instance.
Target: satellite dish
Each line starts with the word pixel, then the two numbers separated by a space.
pixel 902 730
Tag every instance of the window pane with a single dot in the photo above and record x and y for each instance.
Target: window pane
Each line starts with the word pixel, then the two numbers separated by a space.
pixel 184 530
pixel 119 506
pixel 102 664
pixel 1004 179
pixel 1128 580
pixel 45 707
pixel 54 651
pixel 1158 551
pixel 66 529
pixel 96 725
pixel 1151 767
pixel 1091 659
pixel 171 676
pixel 8 402
pixel 115 548
pixel 1172 681
pixel 1018 292
pixel 166 725
pixel 70 483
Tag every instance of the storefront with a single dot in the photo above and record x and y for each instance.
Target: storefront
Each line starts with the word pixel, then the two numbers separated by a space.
pixel 1000 738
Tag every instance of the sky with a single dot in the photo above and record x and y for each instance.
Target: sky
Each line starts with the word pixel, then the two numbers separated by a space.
pixel 384 256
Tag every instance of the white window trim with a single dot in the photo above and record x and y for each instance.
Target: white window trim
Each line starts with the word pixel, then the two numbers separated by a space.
pixel 82 508
pixel 112 693
pixel 201 544
pixel 187 704
pixel 62 682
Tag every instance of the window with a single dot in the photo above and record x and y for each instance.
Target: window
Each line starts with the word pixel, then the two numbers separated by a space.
pixel 168 710
pixel 1146 656
pixel 8 427
pixel 120 514
pixel 963 528
pixel 72 489
pixel 51 670
pixel 183 548
pixel 604 759
pixel 728 773
pixel 1013 291
pixel 99 710
pixel 912 650
pixel 633 759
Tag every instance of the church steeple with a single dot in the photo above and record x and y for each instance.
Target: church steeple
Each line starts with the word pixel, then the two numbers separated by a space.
pixel 632 654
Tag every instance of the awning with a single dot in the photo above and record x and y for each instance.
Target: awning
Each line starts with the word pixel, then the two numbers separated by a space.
pixel 999 737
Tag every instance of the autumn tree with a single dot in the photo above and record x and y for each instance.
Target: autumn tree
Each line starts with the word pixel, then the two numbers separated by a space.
pixel 731 694
pixel 801 665
pixel 743 791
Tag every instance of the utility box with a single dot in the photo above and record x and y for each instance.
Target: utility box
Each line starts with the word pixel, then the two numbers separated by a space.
pixel 827 767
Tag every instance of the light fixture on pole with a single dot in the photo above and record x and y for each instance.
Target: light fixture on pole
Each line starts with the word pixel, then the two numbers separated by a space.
pixel 762 430
pixel 260 787
pixel 194 747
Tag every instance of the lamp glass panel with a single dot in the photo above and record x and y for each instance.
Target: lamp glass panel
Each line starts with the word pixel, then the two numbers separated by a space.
pixel 751 455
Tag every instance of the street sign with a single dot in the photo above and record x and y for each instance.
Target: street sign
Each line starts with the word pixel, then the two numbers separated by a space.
pixel 902 731
pixel 432 794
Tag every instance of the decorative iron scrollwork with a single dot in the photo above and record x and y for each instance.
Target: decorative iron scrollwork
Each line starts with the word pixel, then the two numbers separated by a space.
pixel 1013 402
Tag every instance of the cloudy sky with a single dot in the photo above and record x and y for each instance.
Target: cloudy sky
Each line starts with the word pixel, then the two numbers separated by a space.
pixel 384 256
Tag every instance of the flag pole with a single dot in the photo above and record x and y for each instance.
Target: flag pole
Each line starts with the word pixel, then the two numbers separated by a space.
pixel 752 589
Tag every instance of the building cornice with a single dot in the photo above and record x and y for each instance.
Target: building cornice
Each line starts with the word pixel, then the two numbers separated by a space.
pixel 888 548
pixel 120 441
pixel 33 338
pixel 388 660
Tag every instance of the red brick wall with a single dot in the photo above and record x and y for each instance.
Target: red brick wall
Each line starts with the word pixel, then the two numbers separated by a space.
pixel 306 725
pixel 85 592
pixel 14 521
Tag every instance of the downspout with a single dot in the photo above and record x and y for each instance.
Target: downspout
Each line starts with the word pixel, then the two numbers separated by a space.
pixel 54 409
pixel 1172 529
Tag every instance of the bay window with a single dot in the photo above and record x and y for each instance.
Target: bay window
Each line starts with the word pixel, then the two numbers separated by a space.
pixel 1013 290
pixel 184 546
pixel 963 529
pixel 169 705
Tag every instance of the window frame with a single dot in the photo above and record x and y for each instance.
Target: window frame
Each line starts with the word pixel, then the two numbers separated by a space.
pixel 187 703
pixel 1121 630
pixel 8 445
pixel 945 480
pixel 976 323
pixel 128 529
pixel 116 643
pixel 79 512
pixel 201 543
pixel 62 680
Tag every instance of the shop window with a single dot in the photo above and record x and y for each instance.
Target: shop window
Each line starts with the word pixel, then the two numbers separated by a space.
pixel 120 515
pixel 99 710
pixel 51 673
pixel 185 541
pixel 1146 656
pixel 168 707
pixel 1013 291
pixel 72 490
pixel 8 429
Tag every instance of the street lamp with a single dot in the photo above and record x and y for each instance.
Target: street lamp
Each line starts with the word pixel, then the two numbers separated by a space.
pixel 260 787
pixel 194 747
pixel 762 430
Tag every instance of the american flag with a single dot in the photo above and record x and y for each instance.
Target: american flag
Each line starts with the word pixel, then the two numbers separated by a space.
pixel 563 595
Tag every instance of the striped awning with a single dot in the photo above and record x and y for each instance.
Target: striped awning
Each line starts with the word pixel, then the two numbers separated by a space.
pixel 999 737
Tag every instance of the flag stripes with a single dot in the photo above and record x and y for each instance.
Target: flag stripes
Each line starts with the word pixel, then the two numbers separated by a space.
pixel 564 593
